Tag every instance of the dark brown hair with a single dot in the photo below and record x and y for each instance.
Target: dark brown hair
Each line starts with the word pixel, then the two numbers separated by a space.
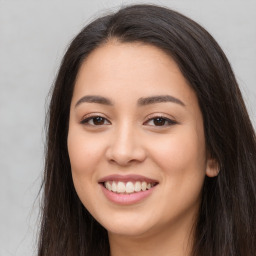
pixel 226 224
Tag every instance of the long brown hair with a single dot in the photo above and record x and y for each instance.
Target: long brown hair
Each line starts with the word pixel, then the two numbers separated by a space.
pixel 226 225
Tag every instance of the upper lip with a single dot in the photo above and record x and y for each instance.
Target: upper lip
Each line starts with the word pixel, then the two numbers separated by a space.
pixel 126 178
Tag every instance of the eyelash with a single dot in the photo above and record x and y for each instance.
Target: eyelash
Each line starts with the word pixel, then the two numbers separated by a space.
pixel 91 118
pixel 164 119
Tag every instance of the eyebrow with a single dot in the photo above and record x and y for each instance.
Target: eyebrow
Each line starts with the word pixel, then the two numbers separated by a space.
pixel 141 101
pixel 94 99
pixel 159 99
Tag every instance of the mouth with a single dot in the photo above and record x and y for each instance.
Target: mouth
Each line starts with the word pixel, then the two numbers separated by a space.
pixel 129 187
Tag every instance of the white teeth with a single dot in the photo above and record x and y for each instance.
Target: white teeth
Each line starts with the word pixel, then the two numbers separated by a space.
pixel 120 187
pixel 114 187
pixel 127 187
pixel 137 187
pixel 144 186
pixel 108 185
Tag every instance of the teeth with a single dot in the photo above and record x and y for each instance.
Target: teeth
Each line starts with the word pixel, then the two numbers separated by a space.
pixel 120 187
pixel 137 187
pixel 108 185
pixel 144 186
pixel 114 187
pixel 129 187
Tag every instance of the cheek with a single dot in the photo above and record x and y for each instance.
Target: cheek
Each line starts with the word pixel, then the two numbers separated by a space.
pixel 83 157
pixel 182 162
pixel 84 152
pixel 180 153
pixel 182 159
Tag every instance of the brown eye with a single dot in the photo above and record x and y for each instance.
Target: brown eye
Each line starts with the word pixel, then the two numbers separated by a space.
pixel 98 120
pixel 95 120
pixel 159 121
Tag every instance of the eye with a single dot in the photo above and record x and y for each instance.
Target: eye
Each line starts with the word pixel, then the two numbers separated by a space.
pixel 160 121
pixel 95 120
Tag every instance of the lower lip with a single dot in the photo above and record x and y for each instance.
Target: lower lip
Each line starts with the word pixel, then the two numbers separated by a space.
pixel 127 199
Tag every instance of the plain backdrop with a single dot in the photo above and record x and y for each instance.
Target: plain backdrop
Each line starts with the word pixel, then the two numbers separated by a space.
pixel 33 38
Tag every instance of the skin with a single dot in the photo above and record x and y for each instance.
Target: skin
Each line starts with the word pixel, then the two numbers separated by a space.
pixel 128 141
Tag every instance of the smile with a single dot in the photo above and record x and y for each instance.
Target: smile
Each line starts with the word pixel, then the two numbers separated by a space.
pixel 129 187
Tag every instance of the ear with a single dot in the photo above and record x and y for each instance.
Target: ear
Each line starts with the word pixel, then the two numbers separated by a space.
pixel 212 168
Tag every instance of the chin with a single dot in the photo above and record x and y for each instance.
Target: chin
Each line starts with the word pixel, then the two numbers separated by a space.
pixel 128 227
pixel 127 231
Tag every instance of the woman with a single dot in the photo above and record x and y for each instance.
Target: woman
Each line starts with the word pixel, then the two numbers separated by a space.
pixel 150 147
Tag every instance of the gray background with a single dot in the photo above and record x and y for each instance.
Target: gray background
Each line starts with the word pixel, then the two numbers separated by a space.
pixel 33 38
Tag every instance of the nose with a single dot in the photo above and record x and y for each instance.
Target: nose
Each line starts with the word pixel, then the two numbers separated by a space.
pixel 125 147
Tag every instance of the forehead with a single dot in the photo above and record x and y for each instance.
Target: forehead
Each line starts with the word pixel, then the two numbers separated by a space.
pixel 120 59
pixel 131 68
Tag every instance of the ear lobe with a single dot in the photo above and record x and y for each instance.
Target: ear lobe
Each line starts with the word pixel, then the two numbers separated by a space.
pixel 212 168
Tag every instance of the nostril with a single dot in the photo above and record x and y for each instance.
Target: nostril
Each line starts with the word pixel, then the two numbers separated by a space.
pixel 126 157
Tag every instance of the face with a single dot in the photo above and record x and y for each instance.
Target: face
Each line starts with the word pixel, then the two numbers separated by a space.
pixel 136 141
